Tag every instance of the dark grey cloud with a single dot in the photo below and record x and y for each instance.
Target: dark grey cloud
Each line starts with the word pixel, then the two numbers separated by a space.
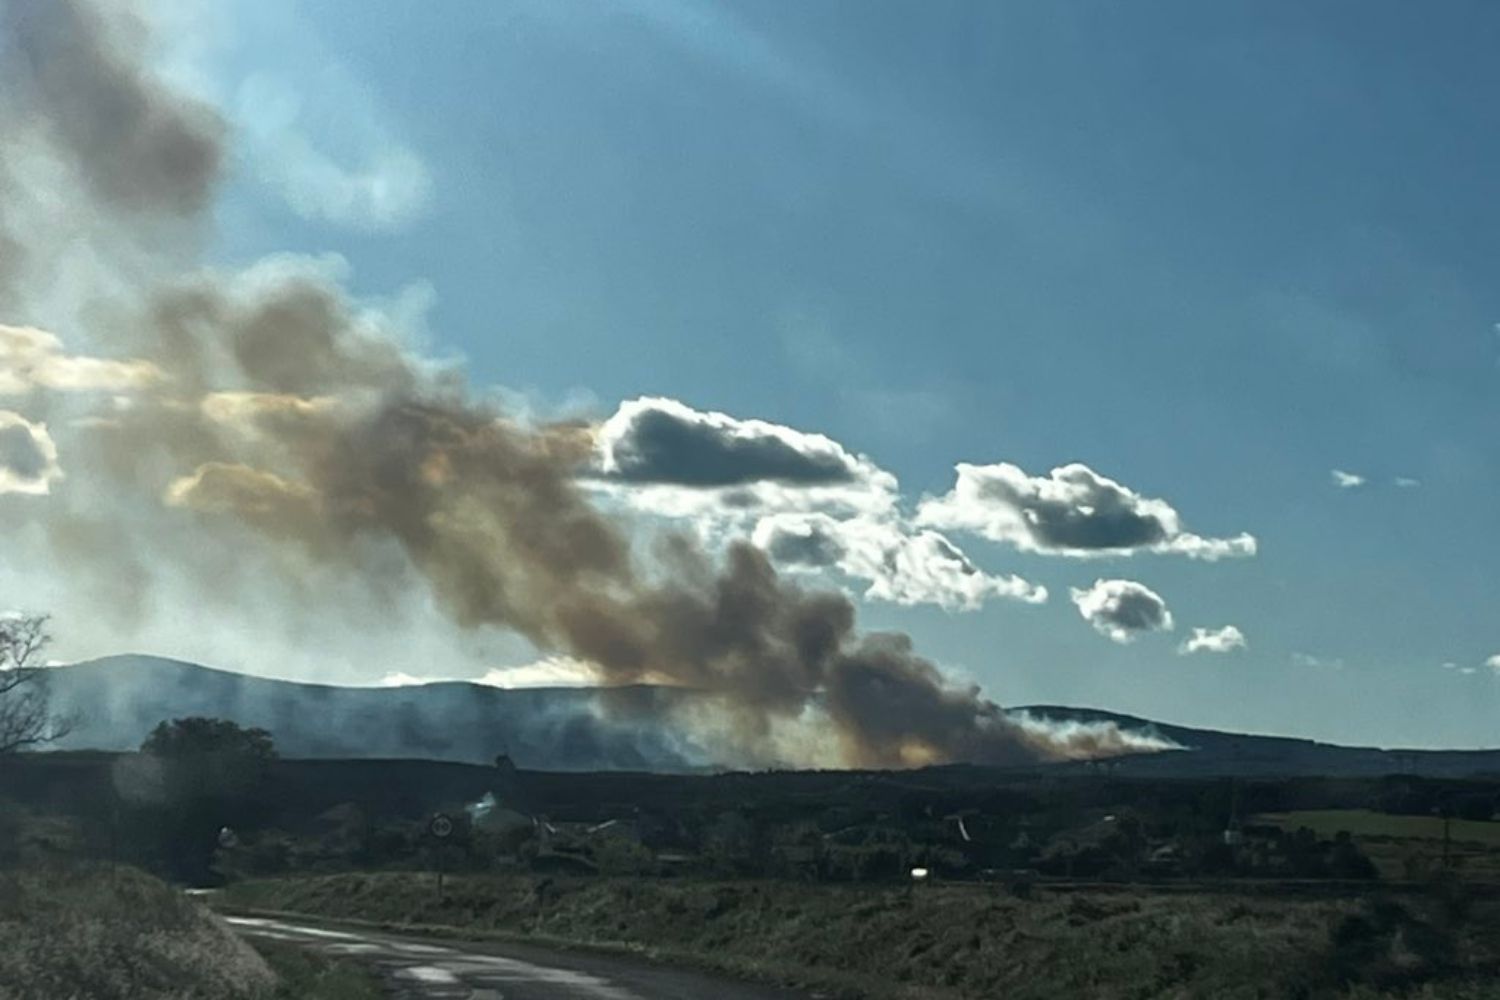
pixel 1122 609
pixel 28 456
pixel 136 143
pixel 1071 511
pixel 20 454
pixel 663 441
pixel 811 547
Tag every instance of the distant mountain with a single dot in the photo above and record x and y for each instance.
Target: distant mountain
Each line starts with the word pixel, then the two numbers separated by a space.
pixel 119 699
pixel 1209 751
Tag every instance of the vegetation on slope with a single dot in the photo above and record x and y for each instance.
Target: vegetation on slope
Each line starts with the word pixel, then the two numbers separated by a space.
pixel 89 931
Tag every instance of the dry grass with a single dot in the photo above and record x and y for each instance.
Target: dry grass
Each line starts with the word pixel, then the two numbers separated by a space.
pixel 306 975
pixel 939 941
pixel 87 932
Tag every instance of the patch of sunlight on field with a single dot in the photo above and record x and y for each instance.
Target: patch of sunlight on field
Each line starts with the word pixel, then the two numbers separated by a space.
pixel 1365 823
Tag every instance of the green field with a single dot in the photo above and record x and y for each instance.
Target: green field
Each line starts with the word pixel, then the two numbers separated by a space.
pixel 1367 823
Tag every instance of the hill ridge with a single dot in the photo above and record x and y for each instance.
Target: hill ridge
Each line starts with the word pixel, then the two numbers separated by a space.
pixel 120 698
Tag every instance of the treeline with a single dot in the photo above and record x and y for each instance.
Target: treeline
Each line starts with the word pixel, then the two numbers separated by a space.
pixel 205 801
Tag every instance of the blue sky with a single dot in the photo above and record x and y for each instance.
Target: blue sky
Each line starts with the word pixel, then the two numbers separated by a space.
pixel 1213 252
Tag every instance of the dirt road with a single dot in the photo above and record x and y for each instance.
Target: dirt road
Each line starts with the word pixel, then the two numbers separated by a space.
pixel 436 969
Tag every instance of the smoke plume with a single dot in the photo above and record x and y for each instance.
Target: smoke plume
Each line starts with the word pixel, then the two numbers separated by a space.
pixel 281 418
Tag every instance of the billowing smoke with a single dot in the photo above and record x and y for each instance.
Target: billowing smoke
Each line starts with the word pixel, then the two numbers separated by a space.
pixel 279 414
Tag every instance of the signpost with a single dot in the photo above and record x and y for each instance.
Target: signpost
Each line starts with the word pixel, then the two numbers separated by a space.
pixel 441 828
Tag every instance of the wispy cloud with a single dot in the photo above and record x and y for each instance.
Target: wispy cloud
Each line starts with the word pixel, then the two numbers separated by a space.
pixel 1213 640
pixel 306 126
pixel 1469 670
pixel 550 671
pixel 321 145
pixel 400 678
pixel 1317 662
pixel 1347 480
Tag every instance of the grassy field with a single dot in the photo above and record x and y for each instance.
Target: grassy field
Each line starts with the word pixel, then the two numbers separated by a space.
pixel 1366 823
pixel 89 932
pixel 949 942
pixel 1407 847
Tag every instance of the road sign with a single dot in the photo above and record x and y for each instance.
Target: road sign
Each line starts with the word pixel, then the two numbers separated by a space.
pixel 441 826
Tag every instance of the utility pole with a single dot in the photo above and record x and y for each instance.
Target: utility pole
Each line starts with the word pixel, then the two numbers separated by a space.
pixel 1447 836
pixel 114 836
pixel 1233 835
pixel 441 828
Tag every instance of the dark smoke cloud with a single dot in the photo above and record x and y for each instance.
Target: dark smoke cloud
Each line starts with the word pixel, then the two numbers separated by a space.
pixel 285 415
pixel 491 513
pixel 136 144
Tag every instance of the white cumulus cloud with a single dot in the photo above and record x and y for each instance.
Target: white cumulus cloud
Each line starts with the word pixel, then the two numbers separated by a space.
pixel 901 565
pixel 1213 640
pixel 1072 511
pixel 1346 480
pixel 1122 610
pixel 810 503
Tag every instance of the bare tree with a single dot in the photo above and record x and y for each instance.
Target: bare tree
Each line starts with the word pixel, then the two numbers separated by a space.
pixel 26 717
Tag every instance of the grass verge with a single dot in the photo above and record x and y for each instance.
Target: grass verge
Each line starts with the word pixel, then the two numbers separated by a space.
pixel 304 975
pixel 96 932
pixel 944 941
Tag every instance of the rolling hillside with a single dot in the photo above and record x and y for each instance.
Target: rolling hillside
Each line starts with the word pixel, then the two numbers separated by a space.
pixel 119 699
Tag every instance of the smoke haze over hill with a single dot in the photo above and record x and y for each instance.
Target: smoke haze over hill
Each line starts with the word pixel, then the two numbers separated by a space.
pixel 254 443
